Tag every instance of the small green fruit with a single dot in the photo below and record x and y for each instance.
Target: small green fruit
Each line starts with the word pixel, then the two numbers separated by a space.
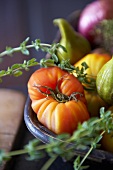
pixel 104 82
pixel 76 45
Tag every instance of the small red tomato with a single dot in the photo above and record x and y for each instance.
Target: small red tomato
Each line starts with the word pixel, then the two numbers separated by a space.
pixel 57 99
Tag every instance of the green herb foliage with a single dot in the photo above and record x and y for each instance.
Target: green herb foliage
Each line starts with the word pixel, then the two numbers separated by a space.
pixel 85 138
pixel 16 69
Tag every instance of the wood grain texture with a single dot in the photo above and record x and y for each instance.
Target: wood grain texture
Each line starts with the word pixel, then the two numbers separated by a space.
pixel 11 114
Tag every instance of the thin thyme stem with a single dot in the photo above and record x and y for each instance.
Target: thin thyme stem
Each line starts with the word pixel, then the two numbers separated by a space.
pixel 14 70
pixel 24 151
pixel 85 157
pixel 49 163
pixel 16 49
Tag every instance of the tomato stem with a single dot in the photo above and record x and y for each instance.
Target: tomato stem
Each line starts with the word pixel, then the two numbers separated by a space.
pixel 56 94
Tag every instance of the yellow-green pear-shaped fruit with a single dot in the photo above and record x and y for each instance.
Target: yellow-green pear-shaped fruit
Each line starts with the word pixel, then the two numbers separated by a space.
pixel 104 82
pixel 76 45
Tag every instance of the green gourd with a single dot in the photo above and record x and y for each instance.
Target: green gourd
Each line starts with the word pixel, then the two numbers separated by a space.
pixel 76 45
pixel 104 82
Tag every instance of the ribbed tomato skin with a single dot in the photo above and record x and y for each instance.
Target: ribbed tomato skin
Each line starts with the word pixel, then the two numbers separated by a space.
pixel 60 117
pixel 56 116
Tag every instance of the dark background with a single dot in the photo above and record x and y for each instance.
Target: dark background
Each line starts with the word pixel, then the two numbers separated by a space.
pixel 20 19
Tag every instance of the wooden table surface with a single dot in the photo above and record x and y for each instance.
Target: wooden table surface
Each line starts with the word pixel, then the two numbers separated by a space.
pixel 11 115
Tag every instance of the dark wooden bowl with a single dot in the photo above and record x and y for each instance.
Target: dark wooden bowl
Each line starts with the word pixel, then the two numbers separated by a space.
pixel 44 135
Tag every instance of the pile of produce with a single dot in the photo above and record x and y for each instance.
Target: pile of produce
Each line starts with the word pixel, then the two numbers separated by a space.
pixel 53 100
pixel 75 95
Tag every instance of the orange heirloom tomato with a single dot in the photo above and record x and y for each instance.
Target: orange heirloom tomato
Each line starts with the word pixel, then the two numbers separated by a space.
pixel 57 99
pixel 95 61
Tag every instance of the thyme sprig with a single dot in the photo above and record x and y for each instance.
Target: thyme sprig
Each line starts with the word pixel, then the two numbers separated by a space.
pixel 16 69
pixel 89 82
pixel 24 48
pixel 85 138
